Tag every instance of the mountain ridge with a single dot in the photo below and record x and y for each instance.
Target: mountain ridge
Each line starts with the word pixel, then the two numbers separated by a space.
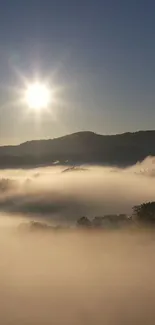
pixel 122 149
pixel 79 133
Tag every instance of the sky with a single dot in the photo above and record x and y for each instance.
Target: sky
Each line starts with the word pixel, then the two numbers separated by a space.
pixel 98 54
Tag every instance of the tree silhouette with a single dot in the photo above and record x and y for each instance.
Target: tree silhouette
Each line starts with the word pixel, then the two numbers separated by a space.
pixel 144 213
pixel 84 222
pixel 97 222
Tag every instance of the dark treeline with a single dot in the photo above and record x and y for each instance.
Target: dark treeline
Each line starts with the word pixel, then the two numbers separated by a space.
pixel 143 215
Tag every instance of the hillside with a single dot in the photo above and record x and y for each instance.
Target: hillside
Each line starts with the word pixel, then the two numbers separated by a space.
pixel 82 147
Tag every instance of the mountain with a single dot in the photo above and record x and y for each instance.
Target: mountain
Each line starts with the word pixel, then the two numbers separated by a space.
pixel 81 147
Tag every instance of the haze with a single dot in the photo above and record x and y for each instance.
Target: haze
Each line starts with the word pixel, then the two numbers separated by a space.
pixel 77 278
pixel 60 194
pixel 78 77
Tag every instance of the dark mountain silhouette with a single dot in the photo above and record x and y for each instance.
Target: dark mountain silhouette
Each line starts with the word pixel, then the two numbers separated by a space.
pixel 82 147
pixel 74 169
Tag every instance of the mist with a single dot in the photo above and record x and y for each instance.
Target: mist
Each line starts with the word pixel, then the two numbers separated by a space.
pixel 60 194
pixel 75 276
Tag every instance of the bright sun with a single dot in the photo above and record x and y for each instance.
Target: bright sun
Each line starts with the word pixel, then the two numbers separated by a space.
pixel 37 96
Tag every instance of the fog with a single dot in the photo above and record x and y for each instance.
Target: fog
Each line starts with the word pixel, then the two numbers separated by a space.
pixel 50 193
pixel 77 278
pixel 74 276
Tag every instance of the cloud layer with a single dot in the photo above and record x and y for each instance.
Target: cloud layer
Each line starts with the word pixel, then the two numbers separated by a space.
pixel 77 278
pixel 50 193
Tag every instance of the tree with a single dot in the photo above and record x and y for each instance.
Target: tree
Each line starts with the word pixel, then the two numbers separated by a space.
pixel 97 222
pixel 145 213
pixel 84 222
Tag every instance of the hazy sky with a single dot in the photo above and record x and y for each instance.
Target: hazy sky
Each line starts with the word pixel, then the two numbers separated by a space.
pixel 100 52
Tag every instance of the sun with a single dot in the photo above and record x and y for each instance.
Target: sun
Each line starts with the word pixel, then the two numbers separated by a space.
pixel 37 96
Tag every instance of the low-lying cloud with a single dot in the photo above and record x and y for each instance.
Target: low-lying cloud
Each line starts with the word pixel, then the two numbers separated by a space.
pixel 50 193
pixel 75 277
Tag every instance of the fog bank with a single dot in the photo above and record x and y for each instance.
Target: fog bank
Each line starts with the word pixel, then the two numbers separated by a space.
pixel 50 193
pixel 77 278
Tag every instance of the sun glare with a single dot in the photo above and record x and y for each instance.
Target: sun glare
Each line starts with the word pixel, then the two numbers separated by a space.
pixel 37 96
